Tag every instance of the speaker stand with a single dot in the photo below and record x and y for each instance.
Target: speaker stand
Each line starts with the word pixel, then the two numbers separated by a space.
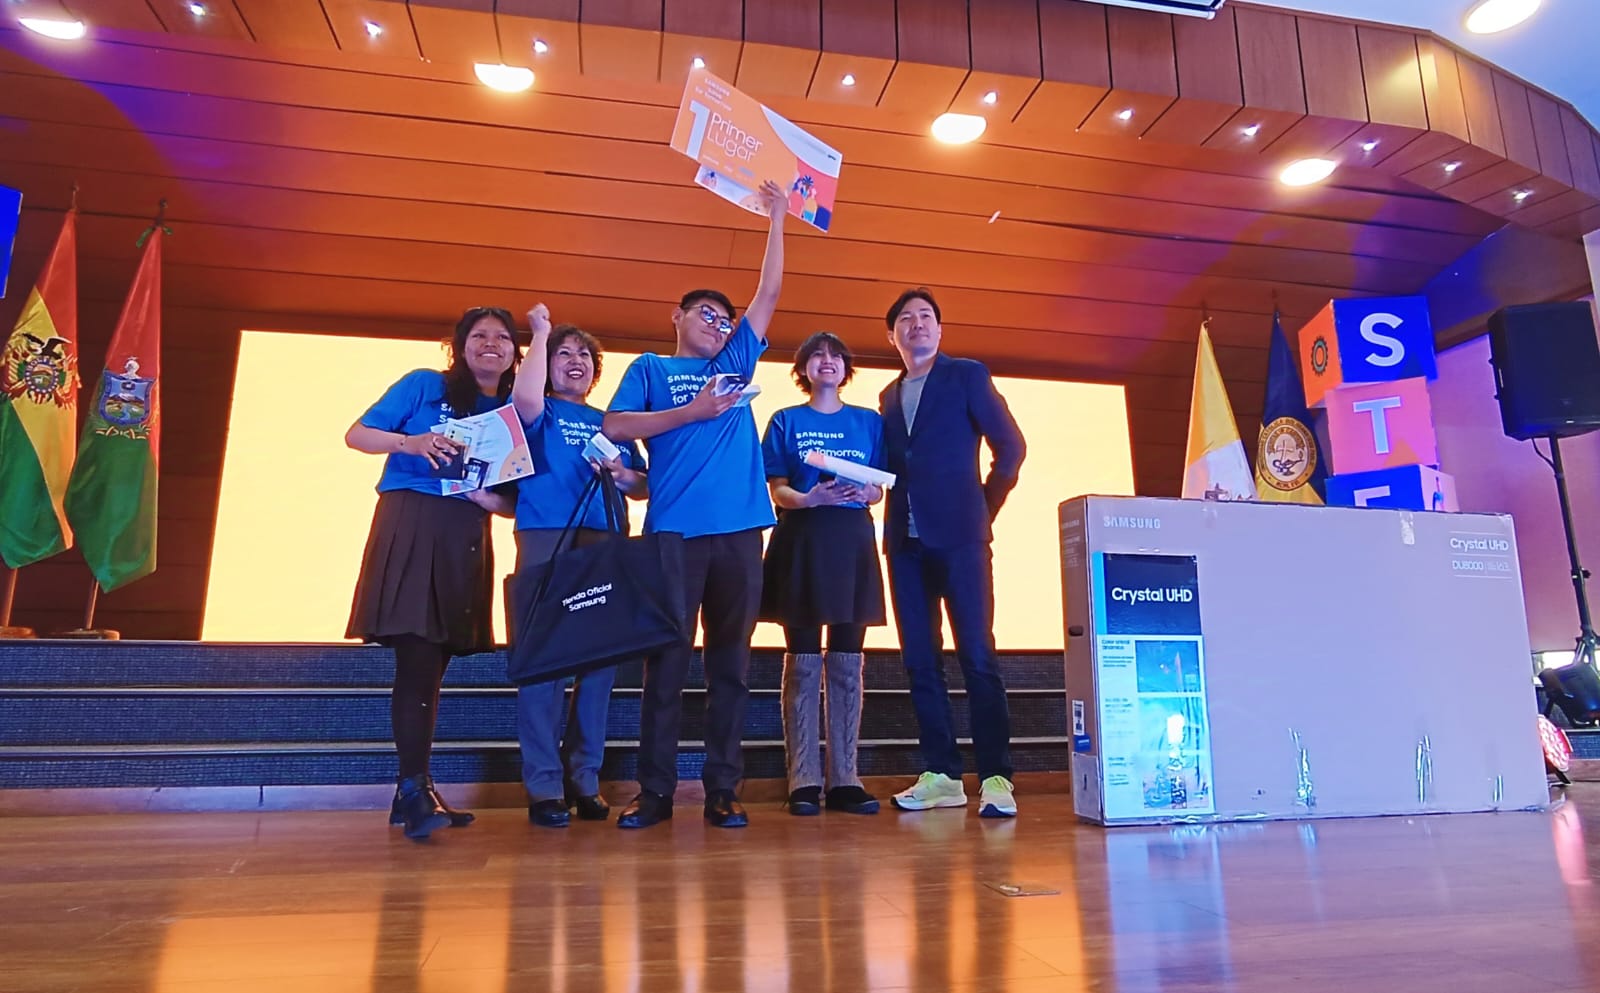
pixel 1588 649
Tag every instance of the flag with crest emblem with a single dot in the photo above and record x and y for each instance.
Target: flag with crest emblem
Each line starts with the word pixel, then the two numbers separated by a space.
pixel 39 410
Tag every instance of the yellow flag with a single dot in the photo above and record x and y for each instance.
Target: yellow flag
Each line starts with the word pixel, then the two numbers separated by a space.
pixel 1215 464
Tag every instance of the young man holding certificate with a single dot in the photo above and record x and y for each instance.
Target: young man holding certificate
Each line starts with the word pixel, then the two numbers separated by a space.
pixel 707 484
pixel 937 537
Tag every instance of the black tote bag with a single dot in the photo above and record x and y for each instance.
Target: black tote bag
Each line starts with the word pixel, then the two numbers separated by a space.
pixel 592 607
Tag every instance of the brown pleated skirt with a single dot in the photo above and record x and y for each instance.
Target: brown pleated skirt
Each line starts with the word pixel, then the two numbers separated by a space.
pixel 821 567
pixel 428 571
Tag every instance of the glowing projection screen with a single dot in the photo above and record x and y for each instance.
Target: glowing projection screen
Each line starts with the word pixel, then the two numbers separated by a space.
pixel 296 503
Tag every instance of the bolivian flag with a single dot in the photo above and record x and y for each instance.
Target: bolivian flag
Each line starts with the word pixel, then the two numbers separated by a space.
pixel 1215 466
pixel 39 411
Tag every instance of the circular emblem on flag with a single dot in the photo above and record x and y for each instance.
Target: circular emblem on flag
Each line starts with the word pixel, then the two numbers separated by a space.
pixel 1319 355
pixel 1286 454
pixel 1557 749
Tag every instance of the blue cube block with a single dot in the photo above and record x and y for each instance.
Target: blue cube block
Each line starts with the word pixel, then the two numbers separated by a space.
pixel 1407 487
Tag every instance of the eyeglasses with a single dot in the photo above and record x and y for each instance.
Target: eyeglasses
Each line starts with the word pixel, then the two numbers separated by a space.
pixel 716 320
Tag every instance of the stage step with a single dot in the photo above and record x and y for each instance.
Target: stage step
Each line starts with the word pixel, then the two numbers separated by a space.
pixel 170 714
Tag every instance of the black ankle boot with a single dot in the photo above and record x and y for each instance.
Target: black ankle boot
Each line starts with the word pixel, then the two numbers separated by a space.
pixel 420 809
pixel 458 818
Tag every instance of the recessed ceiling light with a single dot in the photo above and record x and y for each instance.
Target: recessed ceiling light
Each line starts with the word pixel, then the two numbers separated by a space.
pixel 374 29
pixel 52 28
pixel 198 9
pixel 848 80
pixel 1126 114
pixel 1451 166
pixel 1306 172
pixel 991 98
pixel 539 46
pixel 958 129
pixel 1369 144
pixel 1521 195
pixel 507 79
pixel 1252 131
pixel 699 63
pixel 1498 15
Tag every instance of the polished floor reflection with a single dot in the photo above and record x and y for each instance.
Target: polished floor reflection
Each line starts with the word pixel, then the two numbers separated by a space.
pixel 336 903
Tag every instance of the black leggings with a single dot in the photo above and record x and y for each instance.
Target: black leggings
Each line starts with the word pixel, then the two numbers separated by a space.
pixel 418 672
pixel 847 638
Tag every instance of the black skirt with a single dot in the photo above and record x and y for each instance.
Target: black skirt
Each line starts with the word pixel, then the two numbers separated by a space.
pixel 428 571
pixel 822 568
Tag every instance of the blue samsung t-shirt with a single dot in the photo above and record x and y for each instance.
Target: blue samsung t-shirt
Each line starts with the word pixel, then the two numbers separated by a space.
pixel 411 406
pixel 851 433
pixel 560 472
pixel 705 477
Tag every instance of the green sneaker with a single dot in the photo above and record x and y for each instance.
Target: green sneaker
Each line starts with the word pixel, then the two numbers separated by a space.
pixel 932 789
pixel 997 798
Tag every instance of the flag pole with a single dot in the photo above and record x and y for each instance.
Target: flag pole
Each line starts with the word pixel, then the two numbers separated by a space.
pixel 89 632
pixel 94 599
pixel 8 596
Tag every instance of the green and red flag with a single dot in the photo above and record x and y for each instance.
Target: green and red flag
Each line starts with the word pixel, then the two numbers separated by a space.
pixel 39 411
pixel 111 500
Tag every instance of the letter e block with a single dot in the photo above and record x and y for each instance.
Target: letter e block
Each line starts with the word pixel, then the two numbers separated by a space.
pixel 1379 426
pixel 1377 340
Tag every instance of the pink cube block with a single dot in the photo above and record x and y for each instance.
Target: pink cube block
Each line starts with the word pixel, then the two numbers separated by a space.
pixel 1381 425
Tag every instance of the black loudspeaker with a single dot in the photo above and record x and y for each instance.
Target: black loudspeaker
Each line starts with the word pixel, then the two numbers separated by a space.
pixel 1547 369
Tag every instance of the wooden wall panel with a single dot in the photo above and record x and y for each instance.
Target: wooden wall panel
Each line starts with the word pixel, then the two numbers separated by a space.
pixel 1442 88
pixel 1580 152
pixel 1392 76
pixel 1076 67
pixel 782 45
pixel 1144 73
pixel 1210 87
pixel 288 23
pixel 621 39
pixel 1516 121
pixel 1006 59
pixel 1272 80
pixel 1335 95
pixel 858 38
pixel 1548 136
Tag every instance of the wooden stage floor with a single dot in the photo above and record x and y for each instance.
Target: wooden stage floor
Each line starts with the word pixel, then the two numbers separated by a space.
pixel 338 903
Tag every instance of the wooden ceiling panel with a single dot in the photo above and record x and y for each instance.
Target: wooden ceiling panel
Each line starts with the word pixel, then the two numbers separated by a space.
pixel 850 79
pixel 352 20
pixel 1252 131
pixel 1391 72
pixel 1548 136
pixel 288 23
pixel 1314 135
pixel 1124 114
pixel 1516 121
pixel 202 18
pixel 1581 152
pixel 1442 88
pixel 50 10
pixel 1446 161
pixel 679 53
pixel 116 15
pixel 1385 141
pixel 1011 94
pixel 521 37
pixel 1520 195
pixel 1486 182
pixel 776 70
pixel 462 31
pixel 1538 212
pixel 922 90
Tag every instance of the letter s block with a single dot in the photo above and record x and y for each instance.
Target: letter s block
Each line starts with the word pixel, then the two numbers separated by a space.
pixel 1378 340
pixel 1379 426
pixel 1411 487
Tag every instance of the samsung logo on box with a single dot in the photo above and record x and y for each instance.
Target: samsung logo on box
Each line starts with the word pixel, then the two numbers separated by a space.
pixel 1132 523
pixel 1193 8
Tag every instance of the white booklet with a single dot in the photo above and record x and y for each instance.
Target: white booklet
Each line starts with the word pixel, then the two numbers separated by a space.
pixel 494 451
pixel 728 382
pixel 855 472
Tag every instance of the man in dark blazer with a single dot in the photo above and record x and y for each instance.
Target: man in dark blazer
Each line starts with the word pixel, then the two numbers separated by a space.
pixel 937 538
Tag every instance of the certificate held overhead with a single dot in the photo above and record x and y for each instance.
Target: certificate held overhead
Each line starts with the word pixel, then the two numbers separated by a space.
pixel 739 144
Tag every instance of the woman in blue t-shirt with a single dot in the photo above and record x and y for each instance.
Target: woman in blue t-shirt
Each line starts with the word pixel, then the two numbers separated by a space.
pixel 821 569
pixel 427 575
pixel 551 395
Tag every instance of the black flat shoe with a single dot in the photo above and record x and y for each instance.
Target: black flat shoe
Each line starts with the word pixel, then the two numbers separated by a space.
pixel 458 818
pixel 646 810
pixel 548 813
pixel 590 808
pixel 723 810
pixel 852 800
pixel 806 801
pixel 420 811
